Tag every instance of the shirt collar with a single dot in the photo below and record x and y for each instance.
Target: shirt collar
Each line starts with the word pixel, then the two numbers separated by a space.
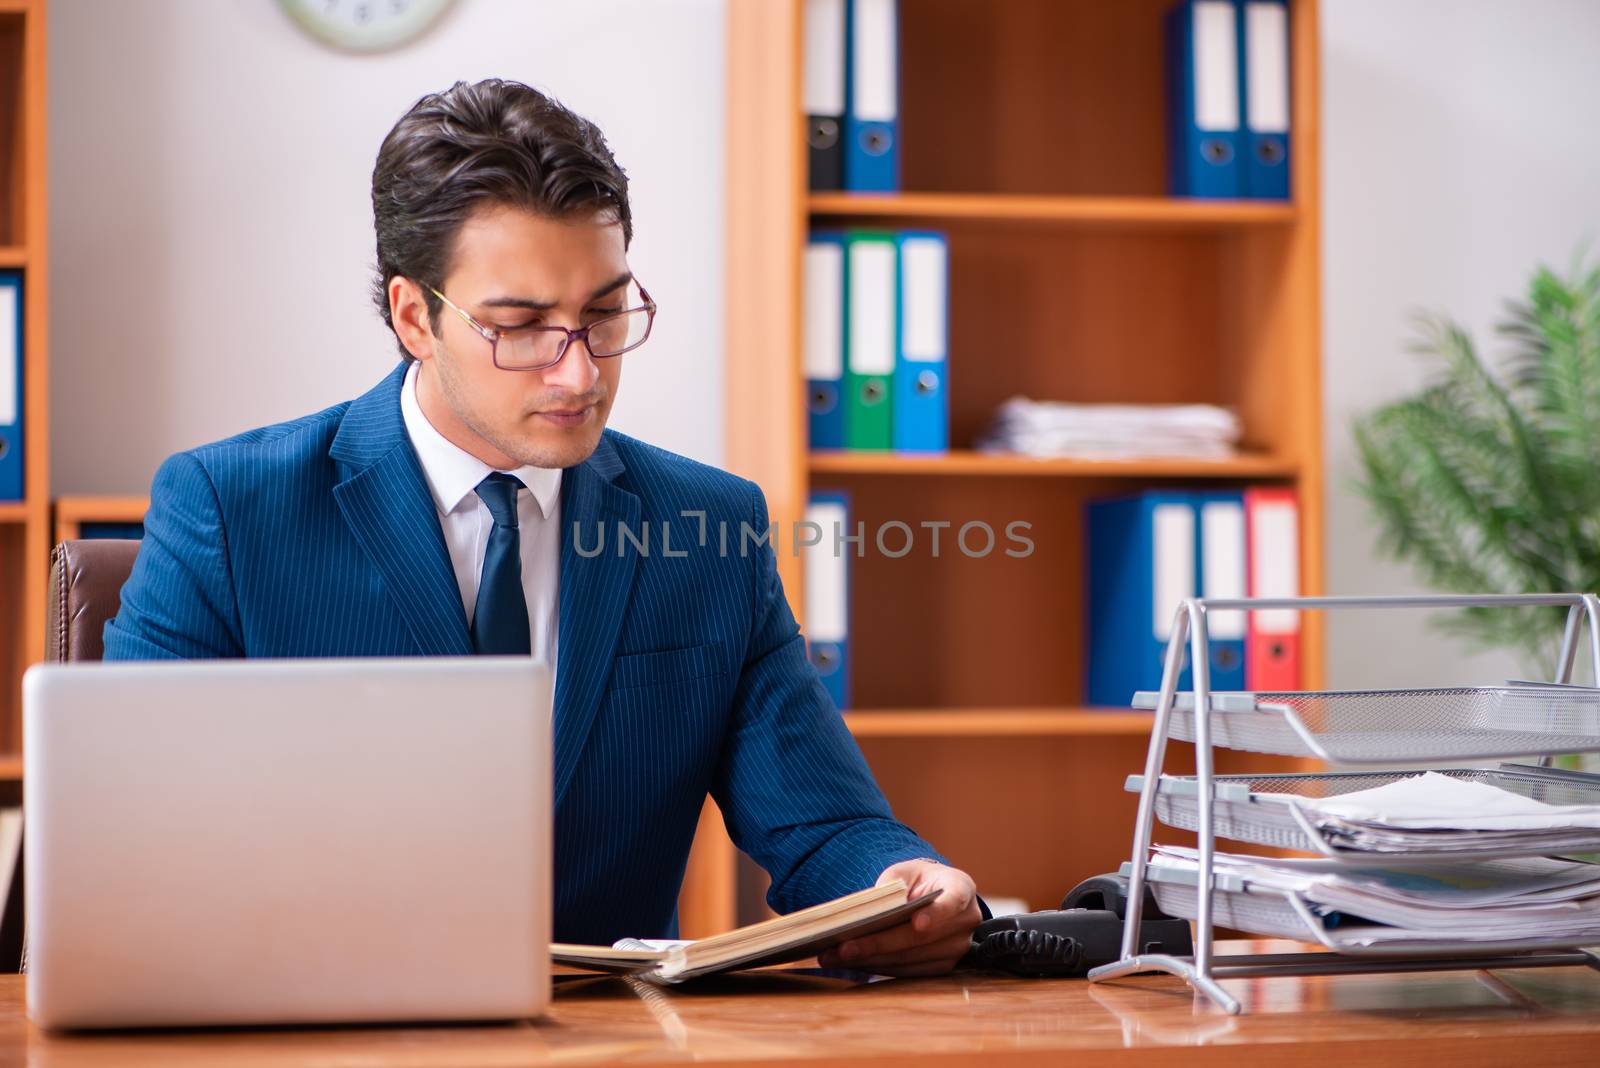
pixel 452 472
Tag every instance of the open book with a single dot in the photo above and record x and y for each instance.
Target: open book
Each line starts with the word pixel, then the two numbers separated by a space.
pixel 778 941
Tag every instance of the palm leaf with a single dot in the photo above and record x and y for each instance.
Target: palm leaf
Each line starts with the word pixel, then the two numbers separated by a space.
pixel 1488 479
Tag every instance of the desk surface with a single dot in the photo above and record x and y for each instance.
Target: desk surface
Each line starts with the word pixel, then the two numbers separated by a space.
pixel 1542 1017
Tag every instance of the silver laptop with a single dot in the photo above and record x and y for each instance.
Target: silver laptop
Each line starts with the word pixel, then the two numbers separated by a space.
pixel 287 841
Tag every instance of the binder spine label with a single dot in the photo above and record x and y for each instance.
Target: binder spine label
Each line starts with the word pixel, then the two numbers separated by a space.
pixel 1277 564
pixel 1173 532
pixel 10 379
pixel 923 261
pixel 1222 568
pixel 1267 68
pixel 1216 66
pixel 826 573
pixel 823 90
pixel 874 69
pixel 824 311
pixel 872 304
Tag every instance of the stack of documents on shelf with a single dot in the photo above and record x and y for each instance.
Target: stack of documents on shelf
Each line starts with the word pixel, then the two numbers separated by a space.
pixel 1435 813
pixel 1112 431
pixel 1529 900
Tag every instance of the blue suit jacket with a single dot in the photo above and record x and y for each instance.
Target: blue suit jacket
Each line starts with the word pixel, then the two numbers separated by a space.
pixel 677 675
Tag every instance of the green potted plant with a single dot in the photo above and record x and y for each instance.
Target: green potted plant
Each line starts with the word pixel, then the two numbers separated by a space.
pixel 1488 480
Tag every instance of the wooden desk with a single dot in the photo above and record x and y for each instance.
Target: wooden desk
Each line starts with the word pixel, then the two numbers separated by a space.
pixel 1539 1019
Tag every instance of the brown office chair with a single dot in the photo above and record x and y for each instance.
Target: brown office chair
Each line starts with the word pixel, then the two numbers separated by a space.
pixel 86 580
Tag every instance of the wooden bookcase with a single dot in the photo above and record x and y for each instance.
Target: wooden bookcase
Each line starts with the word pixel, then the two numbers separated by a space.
pixel 24 524
pixel 1032 132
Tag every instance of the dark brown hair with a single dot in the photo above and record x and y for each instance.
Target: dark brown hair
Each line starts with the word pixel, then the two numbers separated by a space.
pixel 496 142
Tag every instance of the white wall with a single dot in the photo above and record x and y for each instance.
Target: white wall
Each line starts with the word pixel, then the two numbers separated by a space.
pixel 1458 153
pixel 211 236
pixel 211 230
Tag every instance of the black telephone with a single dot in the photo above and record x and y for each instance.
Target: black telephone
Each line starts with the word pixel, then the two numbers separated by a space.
pixel 1084 933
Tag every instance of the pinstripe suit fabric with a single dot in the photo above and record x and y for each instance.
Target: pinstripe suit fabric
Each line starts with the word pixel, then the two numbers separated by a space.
pixel 679 673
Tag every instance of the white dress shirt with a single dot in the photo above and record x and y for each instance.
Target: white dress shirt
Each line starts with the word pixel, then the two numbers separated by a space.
pixel 453 476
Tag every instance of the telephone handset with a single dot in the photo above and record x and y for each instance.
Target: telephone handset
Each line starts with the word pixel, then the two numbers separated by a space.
pixel 1084 933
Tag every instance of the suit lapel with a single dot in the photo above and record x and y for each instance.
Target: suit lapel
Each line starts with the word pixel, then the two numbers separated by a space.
pixel 386 504
pixel 595 587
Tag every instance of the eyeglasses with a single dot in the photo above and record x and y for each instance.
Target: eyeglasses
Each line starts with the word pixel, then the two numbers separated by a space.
pixel 534 348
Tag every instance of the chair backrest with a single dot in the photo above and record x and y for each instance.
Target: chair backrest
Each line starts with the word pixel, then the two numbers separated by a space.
pixel 86 580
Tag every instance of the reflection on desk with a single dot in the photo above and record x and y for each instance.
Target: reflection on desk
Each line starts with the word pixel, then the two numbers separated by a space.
pixel 1547 1017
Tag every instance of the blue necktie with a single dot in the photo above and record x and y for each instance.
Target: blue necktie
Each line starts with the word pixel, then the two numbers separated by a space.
pixel 500 620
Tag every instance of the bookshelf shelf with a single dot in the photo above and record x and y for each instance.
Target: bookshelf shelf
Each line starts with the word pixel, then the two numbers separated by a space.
pixel 965 463
pixel 997 723
pixel 1107 211
pixel 14 512
pixel 71 513
pixel 13 256
pixel 10 768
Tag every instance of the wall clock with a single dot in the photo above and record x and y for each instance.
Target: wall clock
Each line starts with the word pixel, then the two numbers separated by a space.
pixel 365 25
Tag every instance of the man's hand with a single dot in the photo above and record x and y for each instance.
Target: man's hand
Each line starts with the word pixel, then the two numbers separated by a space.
pixel 932 941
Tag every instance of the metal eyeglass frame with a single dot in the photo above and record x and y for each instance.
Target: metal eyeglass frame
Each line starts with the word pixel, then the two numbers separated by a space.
pixel 493 334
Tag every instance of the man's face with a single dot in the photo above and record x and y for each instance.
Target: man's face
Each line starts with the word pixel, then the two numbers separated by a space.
pixel 513 268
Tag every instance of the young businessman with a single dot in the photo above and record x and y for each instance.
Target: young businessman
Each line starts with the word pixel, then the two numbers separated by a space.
pixel 457 508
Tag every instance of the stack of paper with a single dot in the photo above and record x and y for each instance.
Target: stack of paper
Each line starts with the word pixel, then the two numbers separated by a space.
pixel 1440 814
pixel 1533 900
pixel 1112 431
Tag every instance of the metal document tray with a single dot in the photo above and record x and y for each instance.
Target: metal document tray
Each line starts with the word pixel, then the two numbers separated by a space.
pixel 1398 726
pixel 1243 816
pixel 1390 728
pixel 1275 913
